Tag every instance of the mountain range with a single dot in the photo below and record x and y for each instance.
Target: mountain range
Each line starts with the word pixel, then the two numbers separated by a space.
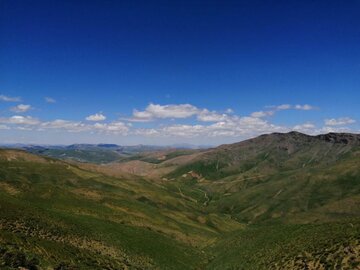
pixel 277 201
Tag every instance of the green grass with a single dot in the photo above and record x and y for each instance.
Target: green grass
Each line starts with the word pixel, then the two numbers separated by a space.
pixel 289 247
pixel 109 222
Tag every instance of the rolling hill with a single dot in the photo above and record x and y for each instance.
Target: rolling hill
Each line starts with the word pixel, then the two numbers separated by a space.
pixel 278 201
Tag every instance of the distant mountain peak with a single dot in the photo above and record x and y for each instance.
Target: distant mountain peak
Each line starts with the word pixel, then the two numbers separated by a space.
pixel 292 134
pixel 345 138
pixel 108 145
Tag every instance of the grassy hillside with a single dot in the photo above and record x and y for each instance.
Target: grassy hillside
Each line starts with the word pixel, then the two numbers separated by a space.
pixel 271 154
pixel 280 178
pixel 293 247
pixel 53 210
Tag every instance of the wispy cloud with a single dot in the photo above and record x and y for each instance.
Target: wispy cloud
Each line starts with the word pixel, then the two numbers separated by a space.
pixel 328 129
pixel 96 117
pixel 305 107
pixel 261 114
pixel 20 120
pixel 67 125
pixel 156 111
pixel 339 121
pixel 181 111
pixel 116 127
pixel 211 116
pixel 272 110
pixel 21 108
pixel 50 100
pixel 225 126
pixel 200 123
pixel 308 128
pixel 9 99
pixel 282 107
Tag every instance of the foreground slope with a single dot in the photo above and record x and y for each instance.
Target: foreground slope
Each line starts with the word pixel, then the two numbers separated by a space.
pixel 63 215
pixel 322 246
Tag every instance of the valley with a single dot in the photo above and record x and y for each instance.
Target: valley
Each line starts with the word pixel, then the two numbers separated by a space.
pixel 277 201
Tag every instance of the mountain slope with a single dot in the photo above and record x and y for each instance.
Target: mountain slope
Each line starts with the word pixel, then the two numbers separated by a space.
pixel 291 177
pixel 272 153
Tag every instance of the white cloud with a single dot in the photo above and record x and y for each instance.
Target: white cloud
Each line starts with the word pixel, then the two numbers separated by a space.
pixel 207 116
pixel 19 120
pixel 27 122
pixel 76 126
pixel 230 127
pixel 50 100
pixel 224 124
pixel 283 107
pixel 261 114
pixel 156 111
pixel 183 130
pixel 305 107
pixel 273 109
pixel 141 116
pixel 21 108
pixel 304 126
pixel 205 124
pixel 339 121
pixel 9 99
pixel 180 111
pixel 113 127
pixel 64 125
pixel 328 129
pixel 146 132
pixel 96 117
pixel 308 128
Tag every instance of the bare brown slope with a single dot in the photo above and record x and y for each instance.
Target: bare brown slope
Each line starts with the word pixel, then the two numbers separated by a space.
pixel 142 168
pixel 19 155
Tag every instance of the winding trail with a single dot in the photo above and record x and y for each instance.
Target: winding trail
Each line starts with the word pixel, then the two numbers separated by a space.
pixel 206 203
pixel 240 180
pixel 186 197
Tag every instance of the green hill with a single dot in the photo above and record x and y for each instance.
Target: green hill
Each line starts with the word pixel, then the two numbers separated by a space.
pixel 281 178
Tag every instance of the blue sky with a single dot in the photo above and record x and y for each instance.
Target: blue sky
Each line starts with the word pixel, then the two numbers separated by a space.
pixel 163 72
